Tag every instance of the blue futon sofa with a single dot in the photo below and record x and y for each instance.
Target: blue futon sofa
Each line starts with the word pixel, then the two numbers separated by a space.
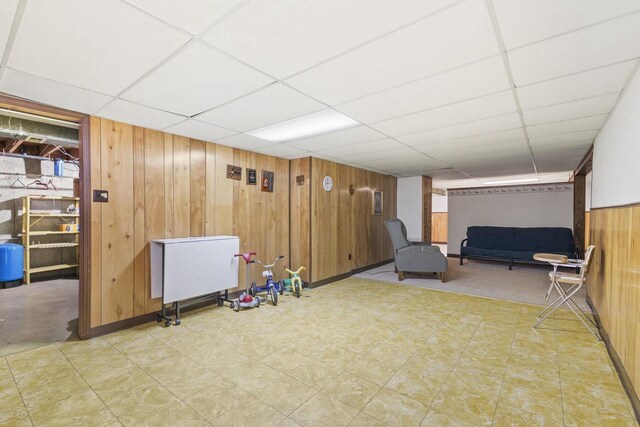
pixel 516 244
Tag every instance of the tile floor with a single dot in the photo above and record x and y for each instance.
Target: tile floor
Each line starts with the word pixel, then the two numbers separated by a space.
pixel 356 352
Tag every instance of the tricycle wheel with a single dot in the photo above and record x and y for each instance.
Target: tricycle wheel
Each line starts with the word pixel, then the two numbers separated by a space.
pixel 236 306
pixel 167 323
pixel 253 291
pixel 281 287
pixel 177 322
pixel 297 289
pixel 274 295
pixel 258 304
pixel 220 302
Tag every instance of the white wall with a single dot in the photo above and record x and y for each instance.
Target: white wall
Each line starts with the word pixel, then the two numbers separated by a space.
pixel 439 203
pixel 616 156
pixel 410 205
pixel 523 208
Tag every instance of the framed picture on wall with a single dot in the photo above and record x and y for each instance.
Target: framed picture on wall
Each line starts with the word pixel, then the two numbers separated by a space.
pixel 267 181
pixel 377 203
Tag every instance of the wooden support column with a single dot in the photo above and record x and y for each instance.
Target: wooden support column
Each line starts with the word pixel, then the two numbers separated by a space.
pixel 579 205
pixel 427 207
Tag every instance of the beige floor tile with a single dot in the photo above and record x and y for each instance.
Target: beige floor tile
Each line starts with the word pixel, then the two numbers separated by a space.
pixel 339 357
pixel 440 419
pixel 255 414
pixel 22 420
pixel 215 400
pixel 396 409
pixel 364 420
pixel 37 391
pixel 316 373
pixel 82 409
pixel 466 406
pixel 179 414
pixel 418 384
pixel 354 391
pixel 390 355
pixel 284 360
pixel 288 422
pixel 322 410
pixel 135 408
pixel 585 416
pixel 287 394
pixel 255 378
pixel 372 370
pixel 542 397
pixel 11 404
pixel 509 416
pixel 122 383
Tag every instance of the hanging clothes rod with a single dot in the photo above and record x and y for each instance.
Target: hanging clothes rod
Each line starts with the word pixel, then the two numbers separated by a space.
pixel 39 175
pixel 28 156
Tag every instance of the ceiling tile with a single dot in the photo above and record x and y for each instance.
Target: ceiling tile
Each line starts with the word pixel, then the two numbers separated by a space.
pixel 246 142
pixel 470 148
pixel 587 135
pixel 59 40
pixel 268 106
pixel 284 151
pixel 193 16
pixel 195 80
pixel 575 125
pixel 592 47
pixel 282 37
pixel 336 139
pixel 478 79
pixel 465 111
pixel 526 21
pixel 7 13
pixel 571 110
pixel 469 129
pixel 356 150
pixel 139 115
pixel 457 36
pixel 601 81
pixel 198 130
pixel 50 92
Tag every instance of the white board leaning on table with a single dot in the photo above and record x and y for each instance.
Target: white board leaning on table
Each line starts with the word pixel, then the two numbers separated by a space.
pixel 190 267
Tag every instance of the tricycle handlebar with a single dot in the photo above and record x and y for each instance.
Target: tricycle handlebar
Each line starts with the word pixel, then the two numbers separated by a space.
pixel 295 272
pixel 271 265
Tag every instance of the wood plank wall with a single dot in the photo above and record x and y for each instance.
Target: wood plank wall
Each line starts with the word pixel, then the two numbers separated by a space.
pixel 343 224
pixel 614 281
pixel 439 225
pixel 300 221
pixel 162 185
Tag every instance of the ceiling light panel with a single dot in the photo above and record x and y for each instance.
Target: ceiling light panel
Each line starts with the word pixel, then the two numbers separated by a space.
pixel 465 111
pixel 198 130
pixel 301 127
pixel 7 13
pixel 272 104
pixel 470 129
pixel 51 92
pixel 581 50
pixel 459 35
pixel 354 135
pixel 571 110
pixel 575 125
pixel 601 81
pixel 193 16
pixel 471 81
pixel 283 37
pixel 526 21
pixel 139 115
pixel 245 142
pixel 196 79
pixel 59 40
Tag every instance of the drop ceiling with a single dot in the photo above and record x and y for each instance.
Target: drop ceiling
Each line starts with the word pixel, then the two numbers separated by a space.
pixel 459 90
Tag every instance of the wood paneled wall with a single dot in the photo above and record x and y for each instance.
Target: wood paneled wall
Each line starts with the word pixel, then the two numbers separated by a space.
pixel 439 225
pixel 340 223
pixel 160 186
pixel 614 281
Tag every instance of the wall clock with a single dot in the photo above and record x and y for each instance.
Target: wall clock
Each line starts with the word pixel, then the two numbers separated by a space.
pixel 327 183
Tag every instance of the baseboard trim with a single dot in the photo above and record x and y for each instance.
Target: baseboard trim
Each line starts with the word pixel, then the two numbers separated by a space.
pixel 617 363
pixel 453 255
pixel 342 276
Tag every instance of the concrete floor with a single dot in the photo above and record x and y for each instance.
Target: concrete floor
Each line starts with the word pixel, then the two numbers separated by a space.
pixel 38 314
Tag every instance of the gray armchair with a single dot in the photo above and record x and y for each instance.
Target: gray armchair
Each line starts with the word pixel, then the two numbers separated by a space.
pixel 414 257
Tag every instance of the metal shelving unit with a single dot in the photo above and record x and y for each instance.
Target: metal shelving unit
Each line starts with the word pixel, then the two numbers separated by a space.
pixel 29 219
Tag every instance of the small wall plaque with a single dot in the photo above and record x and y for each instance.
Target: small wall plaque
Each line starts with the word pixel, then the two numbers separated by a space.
pixel 234 172
pixel 300 180
pixel 267 181
pixel 100 196
pixel 377 203
pixel 252 177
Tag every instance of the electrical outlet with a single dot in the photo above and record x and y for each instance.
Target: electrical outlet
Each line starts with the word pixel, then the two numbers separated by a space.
pixel 350 257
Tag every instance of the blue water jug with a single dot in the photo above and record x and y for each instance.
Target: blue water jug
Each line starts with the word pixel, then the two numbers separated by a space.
pixel 58 167
pixel 11 262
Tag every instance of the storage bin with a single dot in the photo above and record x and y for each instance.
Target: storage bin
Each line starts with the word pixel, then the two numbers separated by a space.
pixel 11 262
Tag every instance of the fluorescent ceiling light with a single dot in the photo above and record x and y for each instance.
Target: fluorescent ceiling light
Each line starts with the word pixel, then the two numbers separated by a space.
pixel 511 181
pixel 301 127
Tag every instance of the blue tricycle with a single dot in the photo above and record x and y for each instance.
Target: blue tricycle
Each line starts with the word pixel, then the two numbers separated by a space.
pixel 271 287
